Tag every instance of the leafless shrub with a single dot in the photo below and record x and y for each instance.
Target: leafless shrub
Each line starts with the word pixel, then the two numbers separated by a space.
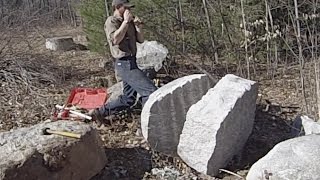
pixel 25 87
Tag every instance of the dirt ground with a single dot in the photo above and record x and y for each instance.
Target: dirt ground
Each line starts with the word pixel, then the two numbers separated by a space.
pixel 129 156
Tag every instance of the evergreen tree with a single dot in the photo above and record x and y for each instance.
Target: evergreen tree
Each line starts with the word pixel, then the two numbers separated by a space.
pixel 93 14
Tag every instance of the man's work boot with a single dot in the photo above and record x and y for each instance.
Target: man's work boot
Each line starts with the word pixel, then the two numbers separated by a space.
pixel 96 116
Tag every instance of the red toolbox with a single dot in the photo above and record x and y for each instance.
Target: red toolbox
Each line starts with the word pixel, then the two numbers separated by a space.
pixel 87 98
pixel 81 100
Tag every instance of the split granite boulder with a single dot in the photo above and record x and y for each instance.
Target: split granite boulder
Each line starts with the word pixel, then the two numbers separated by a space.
pixel 164 113
pixel 297 158
pixel 28 154
pixel 218 126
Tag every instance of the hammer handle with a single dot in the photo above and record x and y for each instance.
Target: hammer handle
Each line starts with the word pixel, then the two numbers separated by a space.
pixel 67 134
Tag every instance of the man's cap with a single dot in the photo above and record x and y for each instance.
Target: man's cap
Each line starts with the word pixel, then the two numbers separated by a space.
pixel 125 3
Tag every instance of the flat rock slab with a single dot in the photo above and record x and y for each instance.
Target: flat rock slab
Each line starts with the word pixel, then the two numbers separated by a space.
pixel 218 126
pixel 297 158
pixel 164 113
pixel 65 43
pixel 28 154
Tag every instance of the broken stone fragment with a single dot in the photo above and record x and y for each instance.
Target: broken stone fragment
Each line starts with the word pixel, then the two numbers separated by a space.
pixel 164 113
pixel 28 154
pixel 218 126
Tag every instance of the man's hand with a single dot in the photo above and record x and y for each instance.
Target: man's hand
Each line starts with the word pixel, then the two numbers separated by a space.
pixel 127 16
pixel 137 22
pixel 120 33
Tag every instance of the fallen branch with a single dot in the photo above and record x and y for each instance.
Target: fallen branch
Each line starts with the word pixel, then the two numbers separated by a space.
pixel 232 173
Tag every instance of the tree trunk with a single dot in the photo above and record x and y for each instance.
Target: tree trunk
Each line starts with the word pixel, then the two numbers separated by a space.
pixel 245 39
pixel 210 31
pixel 301 61
pixel 107 8
pixel 182 27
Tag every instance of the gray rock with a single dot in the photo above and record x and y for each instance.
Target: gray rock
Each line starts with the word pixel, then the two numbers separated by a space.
pixel 297 158
pixel 303 125
pixel 65 43
pixel 28 154
pixel 150 55
pixel 115 91
pixel 164 113
pixel 310 126
pixel 218 126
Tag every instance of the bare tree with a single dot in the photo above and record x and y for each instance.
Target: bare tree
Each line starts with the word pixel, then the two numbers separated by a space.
pixel 182 26
pixel 245 39
pixel 301 59
pixel 210 31
pixel 107 7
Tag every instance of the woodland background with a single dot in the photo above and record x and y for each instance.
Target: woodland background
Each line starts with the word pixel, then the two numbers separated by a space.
pixel 275 35
pixel 274 42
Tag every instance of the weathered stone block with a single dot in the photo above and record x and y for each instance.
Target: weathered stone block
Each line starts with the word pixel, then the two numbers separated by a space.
pixel 60 43
pixel 164 113
pixel 218 126
pixel 297 158
pixel 28 154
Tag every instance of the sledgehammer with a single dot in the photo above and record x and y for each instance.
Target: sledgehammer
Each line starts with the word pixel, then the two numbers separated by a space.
pixel 47 131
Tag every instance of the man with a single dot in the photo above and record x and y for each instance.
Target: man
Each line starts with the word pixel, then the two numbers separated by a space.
pixel 123 31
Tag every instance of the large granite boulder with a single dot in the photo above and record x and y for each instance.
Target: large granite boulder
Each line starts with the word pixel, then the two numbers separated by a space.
pixel 28 154
pixel 164 113
pixel 297 158
pixel 218 126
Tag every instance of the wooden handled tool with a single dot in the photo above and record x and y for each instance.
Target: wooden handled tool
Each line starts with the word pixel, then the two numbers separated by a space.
pixel 47 131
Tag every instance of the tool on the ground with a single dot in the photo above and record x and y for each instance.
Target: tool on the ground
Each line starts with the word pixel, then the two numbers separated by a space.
pixel 74 112
pixel 48 131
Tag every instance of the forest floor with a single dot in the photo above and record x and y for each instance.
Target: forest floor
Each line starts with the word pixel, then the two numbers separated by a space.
pixel 33 80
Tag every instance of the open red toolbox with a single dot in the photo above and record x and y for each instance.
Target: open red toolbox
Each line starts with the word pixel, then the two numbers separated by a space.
pixel 87 98
pixel 82 100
